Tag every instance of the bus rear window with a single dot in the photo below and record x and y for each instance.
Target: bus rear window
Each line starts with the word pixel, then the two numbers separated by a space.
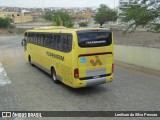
pixel 94 39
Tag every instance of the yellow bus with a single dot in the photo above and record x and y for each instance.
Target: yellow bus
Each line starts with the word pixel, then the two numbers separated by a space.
pixel 76 57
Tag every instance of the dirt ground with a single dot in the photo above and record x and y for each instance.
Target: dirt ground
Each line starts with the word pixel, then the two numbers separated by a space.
pixel 2 31
pixel 11 31
pixel 137 38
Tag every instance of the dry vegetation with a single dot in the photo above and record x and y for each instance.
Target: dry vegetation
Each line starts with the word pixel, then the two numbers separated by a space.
pixel 138 38
pixel 11 31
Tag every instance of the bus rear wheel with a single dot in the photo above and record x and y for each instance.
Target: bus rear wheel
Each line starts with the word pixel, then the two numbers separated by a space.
pixel 54 76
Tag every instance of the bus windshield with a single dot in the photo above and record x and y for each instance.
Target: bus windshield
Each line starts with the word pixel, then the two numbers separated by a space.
pixel 94 39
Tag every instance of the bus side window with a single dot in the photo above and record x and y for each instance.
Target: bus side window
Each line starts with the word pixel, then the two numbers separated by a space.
pixel 33 38
pixel 29 38
pixel 41 38
pixel 60 42
pixel 55 43
pixel 69 43
pixel 35 42
pixel 48 41
pixel 37 37
pixel 64 43
pixel 45 40
pixel 51 40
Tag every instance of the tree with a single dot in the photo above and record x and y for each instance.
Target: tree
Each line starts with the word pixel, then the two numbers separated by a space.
pixel 5 22
pixel 49 15
pixel 83 24
pixel 105 14
pixel 142 14
pixel 66 19
pixel 59 18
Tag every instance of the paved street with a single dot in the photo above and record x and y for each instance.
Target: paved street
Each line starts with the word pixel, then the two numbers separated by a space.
pixel 33 89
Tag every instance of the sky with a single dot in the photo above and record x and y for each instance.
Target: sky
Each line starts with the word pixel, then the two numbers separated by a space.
pixel 57 3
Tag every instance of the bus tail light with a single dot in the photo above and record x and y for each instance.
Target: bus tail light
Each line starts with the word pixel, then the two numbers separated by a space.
pixel 76 73
pixel 112 68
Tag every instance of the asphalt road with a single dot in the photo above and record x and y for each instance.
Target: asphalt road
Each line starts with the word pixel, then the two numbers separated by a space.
pixel 32 89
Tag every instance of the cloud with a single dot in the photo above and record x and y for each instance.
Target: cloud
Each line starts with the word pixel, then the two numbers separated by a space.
pixel 57 3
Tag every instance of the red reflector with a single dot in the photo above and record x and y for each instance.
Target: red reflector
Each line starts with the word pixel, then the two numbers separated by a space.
pixel 112 68
pixel 76 73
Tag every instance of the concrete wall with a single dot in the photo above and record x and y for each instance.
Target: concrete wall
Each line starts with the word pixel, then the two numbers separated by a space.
pixel 23 19
pixel 140 56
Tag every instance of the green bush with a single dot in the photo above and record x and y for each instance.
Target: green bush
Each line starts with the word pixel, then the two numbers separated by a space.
pixel 83 24
pixel 5 22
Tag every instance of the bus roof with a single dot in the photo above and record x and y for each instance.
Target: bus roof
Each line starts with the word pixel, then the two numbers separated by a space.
pixel 50 28
pixel 61 29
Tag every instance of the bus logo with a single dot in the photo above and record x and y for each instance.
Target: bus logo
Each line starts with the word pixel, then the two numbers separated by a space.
pixel 98 61
pixel 83 60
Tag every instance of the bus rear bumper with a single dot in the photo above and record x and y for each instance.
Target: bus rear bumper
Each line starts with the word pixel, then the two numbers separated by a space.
pixel 92 82
pixel 97 81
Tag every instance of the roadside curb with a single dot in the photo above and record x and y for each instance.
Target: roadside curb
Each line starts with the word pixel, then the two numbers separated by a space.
pixel 136 68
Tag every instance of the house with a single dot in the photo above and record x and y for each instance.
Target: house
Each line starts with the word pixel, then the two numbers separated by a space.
pixel 18 17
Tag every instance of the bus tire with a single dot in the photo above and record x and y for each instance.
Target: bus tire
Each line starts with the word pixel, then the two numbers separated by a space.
pixel 54 76
pixel 30 60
